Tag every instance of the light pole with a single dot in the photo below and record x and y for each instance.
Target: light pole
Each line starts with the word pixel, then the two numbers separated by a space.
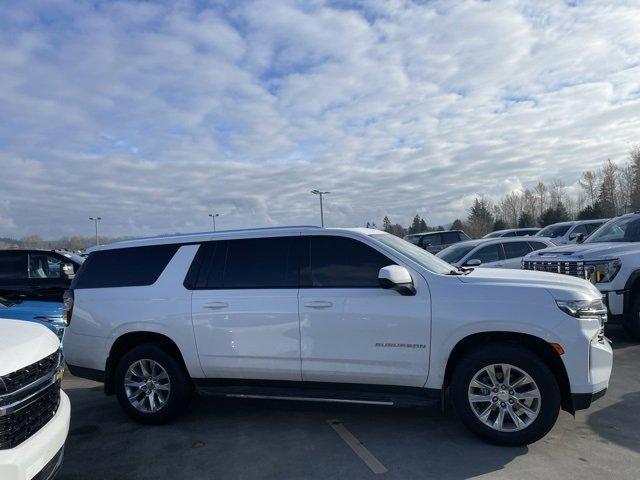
pixel 95 220
pixel 213 218
pixel 320 194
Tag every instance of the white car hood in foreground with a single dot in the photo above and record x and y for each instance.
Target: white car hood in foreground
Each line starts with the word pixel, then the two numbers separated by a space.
pixel 586 251
pixel 23 343
pixel 558 285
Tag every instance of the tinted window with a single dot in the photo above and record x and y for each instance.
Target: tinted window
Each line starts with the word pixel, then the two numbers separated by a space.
pixel 124 267
pixel 579 229
pixel 13 265
pixel 42 265
pixel 554 231
pixel 510 234
pixel 538 245
pixel 260 263
pixel 450 237
pixel 342 262
pixel 455 253
pixel 490 253
pixel 592 227
pixel 515 249
pixel 432 239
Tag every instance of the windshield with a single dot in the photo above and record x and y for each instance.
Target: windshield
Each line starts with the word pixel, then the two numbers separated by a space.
pixel 414 239
pixel 553 231
pixel 455 253
pixel 623 229
pixel 417 254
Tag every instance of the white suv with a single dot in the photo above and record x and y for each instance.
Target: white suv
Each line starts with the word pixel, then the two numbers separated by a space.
pixel 610 259
pixel 334 314
pixel 34 412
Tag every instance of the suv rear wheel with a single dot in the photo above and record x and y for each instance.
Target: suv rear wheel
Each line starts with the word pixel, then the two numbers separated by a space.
pixel 151 385
pixel 506 395
pixel 632 321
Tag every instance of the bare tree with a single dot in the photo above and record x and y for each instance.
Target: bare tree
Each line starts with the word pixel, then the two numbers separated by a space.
pixel 589 184
pixel 511 208
pixel 542 192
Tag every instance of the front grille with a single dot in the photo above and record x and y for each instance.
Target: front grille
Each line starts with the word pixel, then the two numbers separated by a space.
pixel 19 425
pixel 50 469
pixel 575 269
pixel 21 378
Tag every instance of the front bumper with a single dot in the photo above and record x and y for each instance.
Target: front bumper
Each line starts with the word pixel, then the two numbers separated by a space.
pixel 42 452
pixel 582 401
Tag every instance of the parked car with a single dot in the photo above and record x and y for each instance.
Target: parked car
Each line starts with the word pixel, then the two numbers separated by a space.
pixel 34 411
pixel 41 274
pixel 32 284
pixel 337 315
pixel 610 259
pixel 19 307
pixel 513 232
pixel 433 242
pixel 492 252
pixel 570 232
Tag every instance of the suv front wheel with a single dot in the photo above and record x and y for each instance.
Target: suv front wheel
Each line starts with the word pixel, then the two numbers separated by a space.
pixel 506 395
pixel 151 385
pixel 632 322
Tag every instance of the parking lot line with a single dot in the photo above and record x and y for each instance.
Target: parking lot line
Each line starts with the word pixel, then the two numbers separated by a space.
pixel 356 445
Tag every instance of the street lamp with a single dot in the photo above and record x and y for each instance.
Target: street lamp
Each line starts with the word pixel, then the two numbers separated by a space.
pixel 95 220
pixel 213 218
pixel 318 192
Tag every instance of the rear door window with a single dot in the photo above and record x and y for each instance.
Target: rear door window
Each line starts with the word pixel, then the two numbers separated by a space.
pixel 260 263
pixel 341 262
pixel 592 227
pixel 13 265
pixel 538 245
pixel 515 249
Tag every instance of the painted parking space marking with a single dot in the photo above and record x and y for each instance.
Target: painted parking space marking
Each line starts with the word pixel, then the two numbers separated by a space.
pixel 356 445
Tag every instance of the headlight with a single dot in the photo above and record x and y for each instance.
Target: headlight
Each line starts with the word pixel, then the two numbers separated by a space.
pixel 602 271
pixel 588 309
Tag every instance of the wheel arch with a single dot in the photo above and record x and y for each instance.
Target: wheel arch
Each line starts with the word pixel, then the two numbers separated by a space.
pixel 534 344
pixel 129 340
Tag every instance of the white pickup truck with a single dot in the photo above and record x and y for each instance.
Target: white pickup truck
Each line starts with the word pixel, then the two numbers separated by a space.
pixel 610 259
pixel 34 411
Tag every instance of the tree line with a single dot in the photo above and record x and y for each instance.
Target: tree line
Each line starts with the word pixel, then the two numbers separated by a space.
pixel 611 190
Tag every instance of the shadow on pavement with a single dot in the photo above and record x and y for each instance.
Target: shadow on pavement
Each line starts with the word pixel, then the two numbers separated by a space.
pixel 270 440
pixel 619 423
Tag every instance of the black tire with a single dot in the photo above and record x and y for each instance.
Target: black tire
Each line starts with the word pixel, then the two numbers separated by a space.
pixel 631 322
pixel 523 359
pixel 181 388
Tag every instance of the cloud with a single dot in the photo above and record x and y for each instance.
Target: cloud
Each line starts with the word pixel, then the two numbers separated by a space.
pixel 153 115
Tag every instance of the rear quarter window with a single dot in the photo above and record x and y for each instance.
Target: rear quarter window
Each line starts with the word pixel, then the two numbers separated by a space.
pixel 124 267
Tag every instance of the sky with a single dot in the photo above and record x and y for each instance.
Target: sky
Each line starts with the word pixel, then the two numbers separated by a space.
pixel 153 115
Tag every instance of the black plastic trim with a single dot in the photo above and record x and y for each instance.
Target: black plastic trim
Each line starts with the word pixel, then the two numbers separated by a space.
pixel 88 373
pixel 582 401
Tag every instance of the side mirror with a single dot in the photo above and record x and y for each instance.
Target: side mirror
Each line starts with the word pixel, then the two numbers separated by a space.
pixel 68 271
pixel 579 237
pixel 395 277
pixel 474 262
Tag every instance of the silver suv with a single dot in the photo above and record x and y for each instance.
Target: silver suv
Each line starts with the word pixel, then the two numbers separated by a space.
pixel 610 259
pixel 433 242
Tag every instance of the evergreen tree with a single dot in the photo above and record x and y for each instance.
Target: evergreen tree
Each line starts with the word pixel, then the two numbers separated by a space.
pixel 480 219
pixel 526 220
pixel 386 224
pixel 555 214
pixel 457 225
pixel 423 226
pixel 415 225
pixel 499 224
pixel 590 212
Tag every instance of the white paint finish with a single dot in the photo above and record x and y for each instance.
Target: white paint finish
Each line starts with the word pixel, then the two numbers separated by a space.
pixel 28 458
pixel 23 343
pixel 248 333
pixel 339 342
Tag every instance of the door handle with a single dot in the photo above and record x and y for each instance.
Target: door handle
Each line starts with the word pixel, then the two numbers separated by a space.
pixel 216 305
pixel 318 304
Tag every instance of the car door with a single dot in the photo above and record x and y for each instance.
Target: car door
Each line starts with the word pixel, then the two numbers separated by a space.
pixel 352 330
pixel 513 253
pixel 245 308
pixel 13 271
